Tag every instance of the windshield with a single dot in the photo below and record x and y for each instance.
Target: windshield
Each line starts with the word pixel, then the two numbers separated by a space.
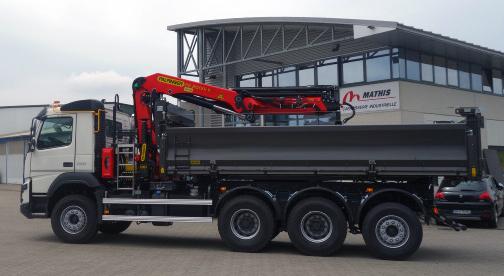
pixel 462 185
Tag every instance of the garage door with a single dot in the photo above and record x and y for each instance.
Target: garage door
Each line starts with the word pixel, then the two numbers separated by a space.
pixel 3 164
pixel 15 158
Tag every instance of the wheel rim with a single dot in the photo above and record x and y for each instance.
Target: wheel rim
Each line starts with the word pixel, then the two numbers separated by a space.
pixel 73 219
pixel 245 224
pixel 316 226
pixel 392 231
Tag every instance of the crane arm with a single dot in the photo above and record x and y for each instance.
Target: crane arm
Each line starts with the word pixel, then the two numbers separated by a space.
pixel 245 103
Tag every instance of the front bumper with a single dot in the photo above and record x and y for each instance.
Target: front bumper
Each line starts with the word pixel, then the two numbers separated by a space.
pixel 26 210
pixel 35 209
pixel 32 206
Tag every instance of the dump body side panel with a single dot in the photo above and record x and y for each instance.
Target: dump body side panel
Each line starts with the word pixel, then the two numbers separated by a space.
pixel 393 150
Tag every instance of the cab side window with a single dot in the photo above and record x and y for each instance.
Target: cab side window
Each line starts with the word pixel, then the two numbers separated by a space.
pixel 55 132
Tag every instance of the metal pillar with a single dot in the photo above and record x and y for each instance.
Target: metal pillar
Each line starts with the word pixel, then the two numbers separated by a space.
pixel 201 73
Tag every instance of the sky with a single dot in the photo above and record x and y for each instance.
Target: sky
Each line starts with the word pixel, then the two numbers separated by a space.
pixel 70 50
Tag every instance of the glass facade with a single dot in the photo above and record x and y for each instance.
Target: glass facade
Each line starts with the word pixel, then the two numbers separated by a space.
pixel 452 73
pixel 327 73
pixel 440 71
pixel 413 65
pixel 464 76
pixel 427 68
pixel 354 68
pixel 306 76
pixel 378 65
pixel 497 80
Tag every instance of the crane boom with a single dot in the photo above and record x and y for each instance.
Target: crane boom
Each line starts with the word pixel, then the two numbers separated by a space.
pixel 245 103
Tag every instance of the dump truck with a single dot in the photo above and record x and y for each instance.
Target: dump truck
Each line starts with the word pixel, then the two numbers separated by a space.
pixel 317 183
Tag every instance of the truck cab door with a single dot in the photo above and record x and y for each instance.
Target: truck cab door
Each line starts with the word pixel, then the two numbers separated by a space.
pixel 54 151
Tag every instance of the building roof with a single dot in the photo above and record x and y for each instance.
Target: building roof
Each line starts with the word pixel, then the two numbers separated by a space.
pixel 14 136
pixel 24 106
pixel 394 34
pixel 293 20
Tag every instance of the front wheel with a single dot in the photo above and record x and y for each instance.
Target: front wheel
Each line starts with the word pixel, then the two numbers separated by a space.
pixel 392 231
pixel 74 219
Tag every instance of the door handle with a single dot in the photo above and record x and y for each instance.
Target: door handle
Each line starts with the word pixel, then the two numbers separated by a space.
pixel 67 164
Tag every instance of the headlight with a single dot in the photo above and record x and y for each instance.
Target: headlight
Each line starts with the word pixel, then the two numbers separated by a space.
pixel 25 184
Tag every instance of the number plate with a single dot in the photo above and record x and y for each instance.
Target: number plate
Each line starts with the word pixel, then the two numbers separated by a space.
pixel 462 212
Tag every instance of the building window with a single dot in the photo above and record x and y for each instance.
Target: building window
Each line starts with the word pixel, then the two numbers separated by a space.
pixel 427 68
pixel 412 65
pixel 440 70
pixel 327 74
pixel 452 73
pixel 476 81
pixel 267 81
pixel 306 77
pixel 464 76
pixel 287 78
pixel 353 69
pixel 497 82
pixel 378 65
pixel 248 81
pixel 398 64
pixel 486 79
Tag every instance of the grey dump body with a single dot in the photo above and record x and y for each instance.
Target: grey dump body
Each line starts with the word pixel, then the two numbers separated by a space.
pixel 382 150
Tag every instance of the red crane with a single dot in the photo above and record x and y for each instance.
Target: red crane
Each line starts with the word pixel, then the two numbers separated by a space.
pixel 244 102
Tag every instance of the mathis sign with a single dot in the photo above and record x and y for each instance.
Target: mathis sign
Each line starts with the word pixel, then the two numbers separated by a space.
pixel 371 98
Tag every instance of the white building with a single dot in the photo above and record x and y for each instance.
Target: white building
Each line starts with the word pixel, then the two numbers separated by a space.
pixel 14 134
pixel 391 73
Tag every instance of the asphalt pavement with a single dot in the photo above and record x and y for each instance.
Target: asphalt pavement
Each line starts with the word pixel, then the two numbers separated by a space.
pixel 28 247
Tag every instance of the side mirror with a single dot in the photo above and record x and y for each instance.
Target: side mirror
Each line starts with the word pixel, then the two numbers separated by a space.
pixel 500 186
pixel 31 145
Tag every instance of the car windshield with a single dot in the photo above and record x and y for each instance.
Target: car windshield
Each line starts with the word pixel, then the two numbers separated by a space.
pixel 462 185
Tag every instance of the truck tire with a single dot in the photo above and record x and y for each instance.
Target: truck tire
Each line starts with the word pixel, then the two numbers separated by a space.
pixel 392 231
pixel 317 227
pixel 246 224
pixel 74 219
pixel 113 227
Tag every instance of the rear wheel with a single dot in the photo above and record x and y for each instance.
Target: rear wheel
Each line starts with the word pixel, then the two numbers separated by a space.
pixel 317 226
pixel 74 219
pixel 392 231
pixel 113 227
pixel 246 224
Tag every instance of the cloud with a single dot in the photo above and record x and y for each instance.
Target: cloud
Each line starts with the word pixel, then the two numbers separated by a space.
pixel 98 85
pixel 109 43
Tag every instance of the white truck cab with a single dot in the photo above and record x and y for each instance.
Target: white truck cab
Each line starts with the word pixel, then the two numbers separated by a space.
pixel 65 143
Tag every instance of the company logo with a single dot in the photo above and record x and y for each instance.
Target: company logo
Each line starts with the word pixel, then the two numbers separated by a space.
pixel 170 81
pixel 371 98
pixel 351 96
